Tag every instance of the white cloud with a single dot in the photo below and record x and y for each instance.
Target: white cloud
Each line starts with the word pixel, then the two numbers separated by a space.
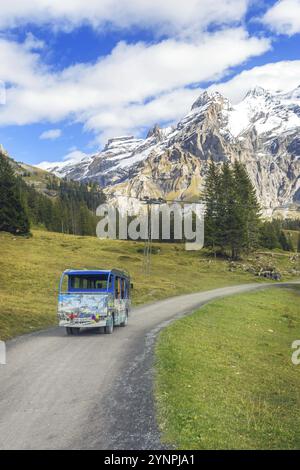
pixel 20 66
pixel 284 75
pixel 172 106
pixel 111 94
pixel 51 134
pixel 32 43
pixel 135 118
pixel 74 156
pixel 284 17
pixel 166 15
pixel 71 158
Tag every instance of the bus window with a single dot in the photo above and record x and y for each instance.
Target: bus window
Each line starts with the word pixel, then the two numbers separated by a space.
pixel 88 282
pixel 122 288
pixel 117 288
pixel 110 282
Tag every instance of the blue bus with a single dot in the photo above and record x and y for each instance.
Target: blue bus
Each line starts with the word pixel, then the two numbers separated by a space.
pixel 93 299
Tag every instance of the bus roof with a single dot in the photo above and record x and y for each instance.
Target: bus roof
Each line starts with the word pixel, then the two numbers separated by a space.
pixel 79 272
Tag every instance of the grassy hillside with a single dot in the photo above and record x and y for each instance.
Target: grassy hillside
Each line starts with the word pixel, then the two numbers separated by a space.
pixel 30 269
pixel 225 377
pixel 32 175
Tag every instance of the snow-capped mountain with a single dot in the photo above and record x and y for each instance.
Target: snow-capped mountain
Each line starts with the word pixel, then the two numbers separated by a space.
pixel 263 131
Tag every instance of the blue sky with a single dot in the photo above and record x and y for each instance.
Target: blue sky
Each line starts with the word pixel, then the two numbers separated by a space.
pixel 77 73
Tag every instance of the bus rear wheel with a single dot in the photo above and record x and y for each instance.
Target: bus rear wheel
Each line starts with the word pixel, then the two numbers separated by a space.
pixel 110 327
pixel 125 322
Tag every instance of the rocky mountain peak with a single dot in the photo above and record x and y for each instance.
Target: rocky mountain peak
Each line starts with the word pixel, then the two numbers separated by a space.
pixel 3 151
pixel 261 131
pixel 206 98
pixel 116 141
pixel 293 95
pixel 155 131
pixel 257 91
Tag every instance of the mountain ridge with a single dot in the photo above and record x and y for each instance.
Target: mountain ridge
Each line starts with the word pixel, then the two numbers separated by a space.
pixel 262 131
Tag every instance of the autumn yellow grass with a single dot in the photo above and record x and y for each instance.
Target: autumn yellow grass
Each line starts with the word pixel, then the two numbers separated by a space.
pixel 30 269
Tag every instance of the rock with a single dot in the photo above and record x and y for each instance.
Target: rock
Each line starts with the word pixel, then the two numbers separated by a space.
pixel 270 274
pixel 262 131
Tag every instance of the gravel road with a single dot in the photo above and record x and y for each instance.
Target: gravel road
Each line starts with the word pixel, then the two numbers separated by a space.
pixel 92 391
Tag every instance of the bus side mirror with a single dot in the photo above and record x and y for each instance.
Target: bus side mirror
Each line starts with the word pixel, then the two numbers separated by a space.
pixel 131 285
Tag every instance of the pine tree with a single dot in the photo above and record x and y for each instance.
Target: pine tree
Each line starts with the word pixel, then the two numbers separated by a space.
pixel 232 212
pixel 228 215
pixel 13 217
pixel 247 207
pixel 86 222
pixel 211 194
pixel 285 242
pixel 269 235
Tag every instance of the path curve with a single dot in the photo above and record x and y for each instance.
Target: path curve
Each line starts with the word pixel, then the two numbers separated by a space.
pixel 91 391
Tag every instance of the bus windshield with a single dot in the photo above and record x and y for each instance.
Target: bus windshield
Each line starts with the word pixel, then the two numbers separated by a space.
pixel 87 282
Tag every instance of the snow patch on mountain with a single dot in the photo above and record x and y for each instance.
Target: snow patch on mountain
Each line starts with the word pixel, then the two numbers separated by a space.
pixel 263 131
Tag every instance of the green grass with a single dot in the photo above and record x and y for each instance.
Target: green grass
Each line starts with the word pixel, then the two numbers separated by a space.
pixel 224 376
pixel 30 269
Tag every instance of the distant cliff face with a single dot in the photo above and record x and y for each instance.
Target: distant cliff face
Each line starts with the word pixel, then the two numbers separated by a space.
pixel 263 131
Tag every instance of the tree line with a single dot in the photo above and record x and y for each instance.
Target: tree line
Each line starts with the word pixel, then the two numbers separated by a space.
pixel 70 209
pixel 233 223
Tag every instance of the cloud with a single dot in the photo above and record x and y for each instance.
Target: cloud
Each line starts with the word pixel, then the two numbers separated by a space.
pixel 20 66
pixel 284 17
pixel 74 156
pixel 137 118
pixel 51 134
pixel 163 16
pixel 71 158
pixel 135 83
pixel 172 106
pixel 32 43
pixel 283 75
